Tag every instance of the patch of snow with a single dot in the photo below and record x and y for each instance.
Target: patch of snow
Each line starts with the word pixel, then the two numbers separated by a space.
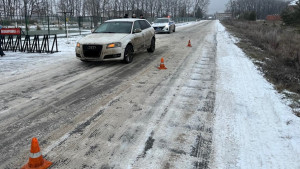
pixel 293 2
pixel 15 63
pixel 288 92
pixel 56 143
pixel 186 24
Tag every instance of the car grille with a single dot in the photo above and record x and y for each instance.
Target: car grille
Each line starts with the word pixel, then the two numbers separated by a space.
pixel 159 28
pixel 92 51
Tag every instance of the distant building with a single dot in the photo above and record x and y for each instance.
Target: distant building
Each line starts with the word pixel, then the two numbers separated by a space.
pixel 222 16
pixel 273 17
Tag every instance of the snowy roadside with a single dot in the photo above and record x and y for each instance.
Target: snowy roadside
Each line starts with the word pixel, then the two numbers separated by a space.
pixel 254 128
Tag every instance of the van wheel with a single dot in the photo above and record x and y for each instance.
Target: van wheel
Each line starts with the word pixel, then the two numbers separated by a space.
pixel 152 46
pixel 128 54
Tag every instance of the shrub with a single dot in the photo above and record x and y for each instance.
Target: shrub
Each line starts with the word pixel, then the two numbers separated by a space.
pixel 38 28
pixel 287 17
pixel 252 16
pixel 291 16
pixel 249 16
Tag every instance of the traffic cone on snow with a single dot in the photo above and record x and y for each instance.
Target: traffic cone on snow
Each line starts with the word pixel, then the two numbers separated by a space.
pixel 36 160
pixel 162 65
pixel 189 44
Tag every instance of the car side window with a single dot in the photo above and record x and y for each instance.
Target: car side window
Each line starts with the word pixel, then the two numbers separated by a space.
pixel 144 24
pixel 136 25
pixel 147 24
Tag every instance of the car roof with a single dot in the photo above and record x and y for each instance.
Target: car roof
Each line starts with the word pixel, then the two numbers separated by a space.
pixel 124 20
pixel 163 18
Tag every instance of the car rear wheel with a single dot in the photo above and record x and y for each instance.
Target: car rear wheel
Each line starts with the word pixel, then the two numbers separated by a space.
pixel 128 54
pixel 152 46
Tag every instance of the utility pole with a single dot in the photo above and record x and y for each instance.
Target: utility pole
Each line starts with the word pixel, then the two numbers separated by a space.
pixel 48 25
pixel 66 26
pixel 26 21
pixel 65 15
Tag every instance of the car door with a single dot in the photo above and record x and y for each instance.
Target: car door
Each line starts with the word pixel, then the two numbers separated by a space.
pixel 138 38
pixel 171 23
pixel 147 33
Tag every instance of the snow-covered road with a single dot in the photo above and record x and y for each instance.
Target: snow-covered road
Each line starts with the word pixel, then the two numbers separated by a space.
pixel 210 109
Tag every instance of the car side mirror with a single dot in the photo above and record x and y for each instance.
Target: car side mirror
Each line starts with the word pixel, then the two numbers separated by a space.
pixel 137 30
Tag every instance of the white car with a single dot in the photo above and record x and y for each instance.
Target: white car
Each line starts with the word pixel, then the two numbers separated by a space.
pixel 116 39
pixel 163 25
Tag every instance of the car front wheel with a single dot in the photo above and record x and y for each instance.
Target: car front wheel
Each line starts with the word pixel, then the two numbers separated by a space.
pixel 128 54
pixel 152 46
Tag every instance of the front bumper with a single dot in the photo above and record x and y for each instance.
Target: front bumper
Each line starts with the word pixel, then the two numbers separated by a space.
pixel 161 29
pixel 92 52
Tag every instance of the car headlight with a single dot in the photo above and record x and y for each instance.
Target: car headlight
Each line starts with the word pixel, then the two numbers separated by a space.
pixel 114 45
pixel 78 45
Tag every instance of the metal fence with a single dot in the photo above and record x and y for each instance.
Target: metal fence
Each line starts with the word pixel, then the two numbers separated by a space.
pixel 50 24
pixel 45 44
pixel 65 25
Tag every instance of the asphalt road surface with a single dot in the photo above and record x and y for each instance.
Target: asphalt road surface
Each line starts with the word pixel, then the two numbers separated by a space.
pixel 115 115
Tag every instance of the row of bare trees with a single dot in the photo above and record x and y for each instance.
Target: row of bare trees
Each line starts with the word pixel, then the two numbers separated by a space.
pixel 109 8
pixel 262 8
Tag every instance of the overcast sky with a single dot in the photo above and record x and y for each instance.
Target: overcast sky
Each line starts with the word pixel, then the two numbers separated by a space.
pixel 217 6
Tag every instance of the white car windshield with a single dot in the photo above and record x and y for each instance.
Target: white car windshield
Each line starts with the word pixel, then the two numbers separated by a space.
pixel 114 27
pixel 161 21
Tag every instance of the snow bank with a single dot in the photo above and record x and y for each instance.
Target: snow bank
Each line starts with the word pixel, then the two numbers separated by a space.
pixel 253 127
pixel 293 2
pixel 16 63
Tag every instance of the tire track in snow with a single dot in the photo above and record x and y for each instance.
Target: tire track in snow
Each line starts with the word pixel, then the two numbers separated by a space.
pixel 189 115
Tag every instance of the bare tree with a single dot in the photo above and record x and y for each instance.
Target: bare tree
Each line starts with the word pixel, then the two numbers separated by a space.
pixel 115 8
pixel 201 5
pixel 262 8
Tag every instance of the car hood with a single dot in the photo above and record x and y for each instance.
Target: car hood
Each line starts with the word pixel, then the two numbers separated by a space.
pixel 159 24
pixel 103 38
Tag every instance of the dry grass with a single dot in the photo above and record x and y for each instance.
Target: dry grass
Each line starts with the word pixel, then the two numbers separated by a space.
pixel 276 51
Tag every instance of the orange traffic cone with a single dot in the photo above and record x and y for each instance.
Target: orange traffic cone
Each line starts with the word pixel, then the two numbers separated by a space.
pixel 189 44
pixel 36 160
pixel 162 65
